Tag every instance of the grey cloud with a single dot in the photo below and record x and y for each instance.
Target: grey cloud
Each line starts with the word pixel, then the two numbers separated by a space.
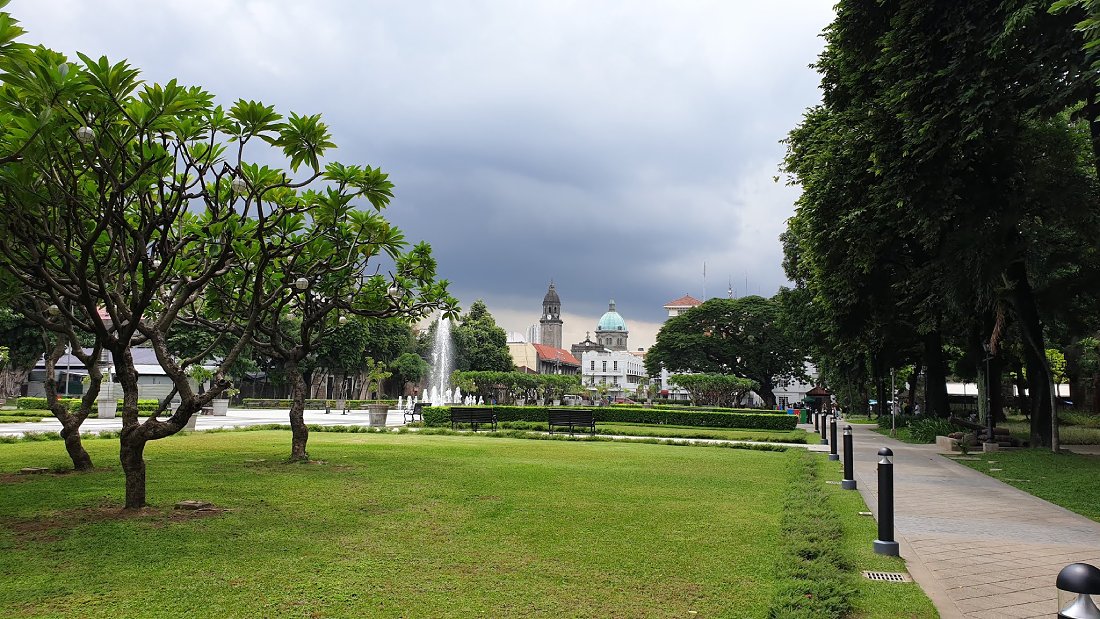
pixel 612 146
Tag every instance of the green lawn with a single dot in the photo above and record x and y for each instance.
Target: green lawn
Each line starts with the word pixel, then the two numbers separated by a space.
pixel 405 525
pixel 23 415
pixel 394 525
pixel 1066 479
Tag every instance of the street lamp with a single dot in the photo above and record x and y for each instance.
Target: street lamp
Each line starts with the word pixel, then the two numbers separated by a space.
pixel 343 320
pixel 85 135
pixel 239 185
pixel 301 283
pixel 989 420
pixel 1083 580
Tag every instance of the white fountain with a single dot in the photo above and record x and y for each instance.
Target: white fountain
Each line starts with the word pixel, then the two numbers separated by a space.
pixel 442 364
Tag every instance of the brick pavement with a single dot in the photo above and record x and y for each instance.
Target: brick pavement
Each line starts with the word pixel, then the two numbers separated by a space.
pixel 980 548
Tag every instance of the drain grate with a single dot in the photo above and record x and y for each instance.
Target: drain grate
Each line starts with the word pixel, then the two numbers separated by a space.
pixel 887 576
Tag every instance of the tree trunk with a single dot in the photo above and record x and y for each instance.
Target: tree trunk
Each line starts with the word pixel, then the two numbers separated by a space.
pixel 70 432
pixel 914 380
pixel 131 454
pixel 880 395
pixel 1043 417
pixel 996 393
pixel 935 383
pixel 299 431
pixel 767 394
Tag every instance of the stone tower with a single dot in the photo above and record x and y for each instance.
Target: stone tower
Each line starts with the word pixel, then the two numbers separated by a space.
pixel 550 323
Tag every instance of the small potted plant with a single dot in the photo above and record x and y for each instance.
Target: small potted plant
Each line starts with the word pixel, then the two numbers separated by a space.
pixel 220 406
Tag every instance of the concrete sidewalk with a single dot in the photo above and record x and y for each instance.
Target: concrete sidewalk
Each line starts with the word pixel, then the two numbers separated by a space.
pixel 978 547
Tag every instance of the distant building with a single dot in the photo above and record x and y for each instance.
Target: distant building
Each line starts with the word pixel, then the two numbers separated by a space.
pixel 587 345
pixel 611 331
pixel 620 370
pixel 681 305
pixel 542 359
pixel 550 324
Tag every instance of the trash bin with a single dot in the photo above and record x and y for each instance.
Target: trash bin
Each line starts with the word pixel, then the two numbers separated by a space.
pixel 803 415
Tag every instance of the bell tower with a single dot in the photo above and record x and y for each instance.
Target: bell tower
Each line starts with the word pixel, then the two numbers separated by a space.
pixel 550 322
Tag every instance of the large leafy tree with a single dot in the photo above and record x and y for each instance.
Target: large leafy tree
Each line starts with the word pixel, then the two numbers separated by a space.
pixel 480 345
pixel 937 160
pixel 123 201
pixel 746 337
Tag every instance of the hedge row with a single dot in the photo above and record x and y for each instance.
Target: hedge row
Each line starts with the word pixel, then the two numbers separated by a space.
pixel 144 406
pixel 441 416
pixel 712 409
pixel 310 403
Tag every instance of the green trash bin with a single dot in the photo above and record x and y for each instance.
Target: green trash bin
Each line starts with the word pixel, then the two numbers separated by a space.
pixel 804 415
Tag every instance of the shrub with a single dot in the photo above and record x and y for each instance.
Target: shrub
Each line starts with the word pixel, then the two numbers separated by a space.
pixel 441 416
pixel 310 403
pixel 926 429
pixel 902 421
pixel 145 407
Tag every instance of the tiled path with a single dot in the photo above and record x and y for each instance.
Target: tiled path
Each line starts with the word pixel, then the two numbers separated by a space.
pixel 979 547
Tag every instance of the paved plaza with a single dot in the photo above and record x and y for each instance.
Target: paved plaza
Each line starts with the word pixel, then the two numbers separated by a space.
pixel 978 547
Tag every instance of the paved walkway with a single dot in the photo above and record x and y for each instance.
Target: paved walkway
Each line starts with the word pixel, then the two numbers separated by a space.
pixel 979 547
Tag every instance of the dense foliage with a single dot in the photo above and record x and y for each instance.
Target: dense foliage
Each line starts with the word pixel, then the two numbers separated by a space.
pixel 440 416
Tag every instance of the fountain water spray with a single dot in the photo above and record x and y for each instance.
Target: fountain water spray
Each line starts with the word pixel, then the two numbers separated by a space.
pixel 443 362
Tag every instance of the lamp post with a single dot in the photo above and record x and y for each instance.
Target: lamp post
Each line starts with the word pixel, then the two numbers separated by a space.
pixel 989 420
pixel 1076 584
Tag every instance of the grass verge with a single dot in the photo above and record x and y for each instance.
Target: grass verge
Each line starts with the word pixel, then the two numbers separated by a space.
pixel 1067 479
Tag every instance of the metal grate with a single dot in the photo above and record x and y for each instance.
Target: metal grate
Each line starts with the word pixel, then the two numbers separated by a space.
pixel 887 576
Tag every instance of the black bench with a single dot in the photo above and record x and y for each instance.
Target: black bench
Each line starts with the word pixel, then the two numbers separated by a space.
pixel 415 414
pixel 474 416
pixel 573 418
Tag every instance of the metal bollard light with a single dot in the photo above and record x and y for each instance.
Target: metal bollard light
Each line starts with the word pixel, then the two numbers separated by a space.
pixel 832 439
pixel 849 481
pixel 1077 583
pixel 885 544
pixel 816 429
pixel 824 439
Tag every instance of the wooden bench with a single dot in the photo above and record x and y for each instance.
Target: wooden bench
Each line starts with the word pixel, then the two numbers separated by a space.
pixel 472 415
pixel 416 414
pixel 572 418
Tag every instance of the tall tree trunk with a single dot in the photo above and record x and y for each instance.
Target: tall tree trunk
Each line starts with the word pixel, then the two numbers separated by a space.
pixel 132 456
pixel 880 394
pixel 299 431
pixel 1043 418
pixel 996 393
pixel 70 424
pixel 935 381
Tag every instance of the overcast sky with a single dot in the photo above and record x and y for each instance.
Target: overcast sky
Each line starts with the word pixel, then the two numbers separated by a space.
pixel 613 147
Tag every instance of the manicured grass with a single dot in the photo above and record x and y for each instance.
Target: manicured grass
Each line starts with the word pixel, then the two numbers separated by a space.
pixel 392 525
pixel 902 434
pixel 23 415
pixel 826 543
pixel 1067 434
pixel 1067 479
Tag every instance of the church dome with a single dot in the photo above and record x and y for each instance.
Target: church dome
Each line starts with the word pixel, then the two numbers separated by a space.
pixel 611 321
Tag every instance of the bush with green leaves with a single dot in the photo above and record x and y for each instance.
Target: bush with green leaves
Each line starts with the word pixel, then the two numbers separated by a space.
pixel 926 429
pixel 441 416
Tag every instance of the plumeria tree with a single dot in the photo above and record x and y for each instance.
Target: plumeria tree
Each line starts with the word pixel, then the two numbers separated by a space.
pixel 124 201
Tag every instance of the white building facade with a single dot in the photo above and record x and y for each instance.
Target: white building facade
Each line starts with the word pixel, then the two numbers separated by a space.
pixel 619 370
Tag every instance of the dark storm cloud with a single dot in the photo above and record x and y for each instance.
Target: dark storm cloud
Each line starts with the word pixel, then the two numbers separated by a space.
pixel 612 146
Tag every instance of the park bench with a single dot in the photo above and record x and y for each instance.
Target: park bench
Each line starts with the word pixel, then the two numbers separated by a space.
pixel 416 413
pixel 473 415
pixel 572 418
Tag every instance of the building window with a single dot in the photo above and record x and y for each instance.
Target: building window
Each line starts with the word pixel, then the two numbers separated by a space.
pixel 782 402
pixel 593 366
pixel 615 365
pixel 604 366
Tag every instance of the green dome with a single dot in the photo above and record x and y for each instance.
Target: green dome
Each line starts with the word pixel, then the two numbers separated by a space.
pixel 611 321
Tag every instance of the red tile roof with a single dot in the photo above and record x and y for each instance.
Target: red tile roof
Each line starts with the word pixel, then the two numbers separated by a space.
pixel 549 353
pixel 685 301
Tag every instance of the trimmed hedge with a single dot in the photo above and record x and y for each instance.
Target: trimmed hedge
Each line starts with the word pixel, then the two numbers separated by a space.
pixel 712 409
pixel 441 416
pixel 144 406
pixel 310 403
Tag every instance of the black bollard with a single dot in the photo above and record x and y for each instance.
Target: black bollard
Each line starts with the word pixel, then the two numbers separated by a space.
pixel 815 421
pixel 885 544
pixel 824 439
pixel 849 481
pixel 832 439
